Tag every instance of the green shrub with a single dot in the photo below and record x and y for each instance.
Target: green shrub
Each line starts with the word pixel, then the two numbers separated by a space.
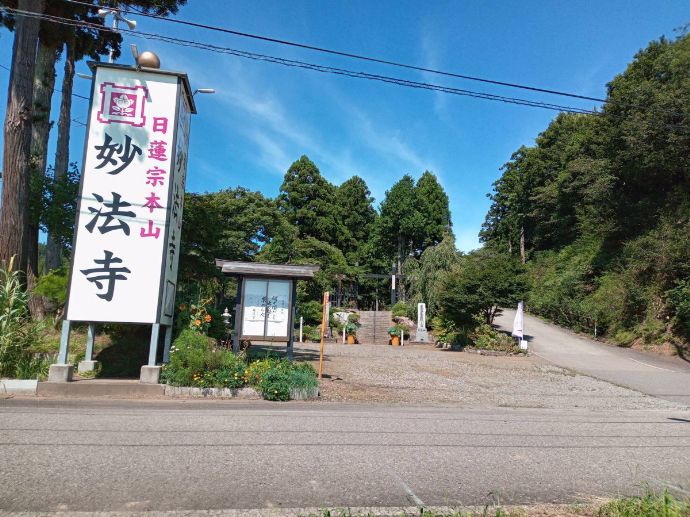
pixel 275 385
pixel 350 329
pixel 30 366
pixel 195 362
pixel 399 330
pixel 302 376
pixel 485 337
pixel 311 311
pixel 54 286
pixel 18 332
pixel 353 317
pixel 401 309
pixel 310 333
pixel 189 357
pixel 678 300
pixel 256 371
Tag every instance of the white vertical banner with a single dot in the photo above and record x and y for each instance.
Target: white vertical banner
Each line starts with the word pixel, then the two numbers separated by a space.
pixel 124 244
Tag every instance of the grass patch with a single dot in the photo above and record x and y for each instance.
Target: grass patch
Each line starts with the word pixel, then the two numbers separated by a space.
pixel 648 505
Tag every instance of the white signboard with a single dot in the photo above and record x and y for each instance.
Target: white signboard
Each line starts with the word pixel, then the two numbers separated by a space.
pixel 128 225
pixel 266 306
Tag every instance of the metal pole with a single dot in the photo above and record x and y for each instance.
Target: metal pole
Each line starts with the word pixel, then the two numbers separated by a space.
pixel 293 312
pixel 115 20
pixel 90 336
pixel 166 345
pixel 153 345
pixel 64 342
pixel 323 330
pixel 301 325
pixel 238 323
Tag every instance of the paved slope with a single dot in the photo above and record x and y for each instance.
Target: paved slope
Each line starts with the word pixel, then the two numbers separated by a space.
pixel 137 456
pixel 664 377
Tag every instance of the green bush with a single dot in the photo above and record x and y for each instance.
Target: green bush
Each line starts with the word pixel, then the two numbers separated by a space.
pixel 485 337
pixel 275 385
pixel 350 329
pixel 310 333
pixel 54 286
pixel 353 317
pixel 31 366
pixel 678 300
pixel 18 332
pixel 195 362
pixel 401 309
pixel 256 371
pixel 311 311
pixel 399 330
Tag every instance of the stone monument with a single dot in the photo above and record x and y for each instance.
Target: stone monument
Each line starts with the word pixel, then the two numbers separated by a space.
pixel 421 335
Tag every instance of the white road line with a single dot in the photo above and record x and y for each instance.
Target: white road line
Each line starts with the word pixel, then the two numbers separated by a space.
pixel 652 366
pixel 416 500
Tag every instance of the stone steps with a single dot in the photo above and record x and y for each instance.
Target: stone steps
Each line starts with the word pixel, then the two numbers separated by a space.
pixel 373 327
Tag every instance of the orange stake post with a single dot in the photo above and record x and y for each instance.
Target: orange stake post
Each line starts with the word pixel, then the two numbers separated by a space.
pixel 324 320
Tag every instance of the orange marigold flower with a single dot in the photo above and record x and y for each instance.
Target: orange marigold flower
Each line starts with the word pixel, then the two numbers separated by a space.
pixel 182 306
pixel 197 322
pixel 207 318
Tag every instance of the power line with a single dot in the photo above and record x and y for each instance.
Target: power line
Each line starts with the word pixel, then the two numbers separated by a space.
pixel 55 89
pixel 355 56
pixel 140 12
pixel 309 66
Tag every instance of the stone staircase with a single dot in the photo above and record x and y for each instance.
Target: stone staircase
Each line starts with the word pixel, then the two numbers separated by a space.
pixel 373 327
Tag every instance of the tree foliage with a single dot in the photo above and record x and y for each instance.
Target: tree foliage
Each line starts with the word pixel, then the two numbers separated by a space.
pixel 604 204
pixel 480 283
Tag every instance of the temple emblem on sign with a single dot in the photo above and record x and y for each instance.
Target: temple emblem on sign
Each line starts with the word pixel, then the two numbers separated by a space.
pixel 122 104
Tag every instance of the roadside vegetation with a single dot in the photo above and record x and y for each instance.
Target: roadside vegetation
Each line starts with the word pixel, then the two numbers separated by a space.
pixel 599 209
pixel 197 360
pixel 650 504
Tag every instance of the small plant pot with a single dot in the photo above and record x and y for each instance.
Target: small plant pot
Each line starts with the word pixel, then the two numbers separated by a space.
pixel 395 340
pixel 350 339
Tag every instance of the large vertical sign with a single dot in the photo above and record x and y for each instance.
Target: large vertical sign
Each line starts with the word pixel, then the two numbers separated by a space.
pixel 129 220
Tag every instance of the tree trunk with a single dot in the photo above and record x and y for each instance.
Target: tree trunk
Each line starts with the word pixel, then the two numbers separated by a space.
pixel 14 217
pixel 44 84
pixel 53 252
pixel 522 244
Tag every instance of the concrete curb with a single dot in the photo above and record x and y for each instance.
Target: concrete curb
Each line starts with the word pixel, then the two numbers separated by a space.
pixel 211 393
pixel 19 386
pixel 247 393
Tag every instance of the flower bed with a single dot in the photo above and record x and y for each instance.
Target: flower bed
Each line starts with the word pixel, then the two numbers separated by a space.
pixel 195 362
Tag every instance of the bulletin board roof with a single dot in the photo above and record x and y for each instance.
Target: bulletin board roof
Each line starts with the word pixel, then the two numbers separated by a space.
pixel 297 272
pixel 185 80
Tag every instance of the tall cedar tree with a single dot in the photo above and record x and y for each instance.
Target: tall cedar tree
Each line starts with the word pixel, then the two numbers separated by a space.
pixel 309 202
pixel 14 214
pixel 358 217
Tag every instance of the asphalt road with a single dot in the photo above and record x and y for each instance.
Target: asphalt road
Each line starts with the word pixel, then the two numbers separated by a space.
pixel 664 377
pixel 128 456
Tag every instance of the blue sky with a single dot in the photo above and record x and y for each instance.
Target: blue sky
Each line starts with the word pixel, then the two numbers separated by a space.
pixel 264 116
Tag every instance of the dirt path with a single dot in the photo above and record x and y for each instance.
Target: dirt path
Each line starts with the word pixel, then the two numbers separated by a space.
pixel 426 375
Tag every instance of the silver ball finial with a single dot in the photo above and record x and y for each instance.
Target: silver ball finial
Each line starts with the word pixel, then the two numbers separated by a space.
pixel 148 59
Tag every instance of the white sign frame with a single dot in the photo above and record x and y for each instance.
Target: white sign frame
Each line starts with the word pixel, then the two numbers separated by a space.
pixel 129 108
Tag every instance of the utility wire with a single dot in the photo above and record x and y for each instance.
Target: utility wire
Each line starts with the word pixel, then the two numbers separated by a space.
pixel 352 55
pixel 305 65
pixel 55 89
pixel 141 12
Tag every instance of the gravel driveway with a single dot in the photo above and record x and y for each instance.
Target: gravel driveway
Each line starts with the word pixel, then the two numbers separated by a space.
pixel 422 374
